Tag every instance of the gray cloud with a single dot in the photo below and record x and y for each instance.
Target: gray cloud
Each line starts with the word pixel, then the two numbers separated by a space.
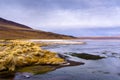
pixel 54 14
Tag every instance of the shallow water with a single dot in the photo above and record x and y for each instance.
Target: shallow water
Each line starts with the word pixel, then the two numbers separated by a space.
pixel 102 69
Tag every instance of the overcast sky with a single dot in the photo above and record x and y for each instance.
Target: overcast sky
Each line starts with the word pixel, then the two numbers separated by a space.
pixel 54 15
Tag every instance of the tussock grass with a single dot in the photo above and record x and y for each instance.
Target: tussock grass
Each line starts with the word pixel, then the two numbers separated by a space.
pixel 17 53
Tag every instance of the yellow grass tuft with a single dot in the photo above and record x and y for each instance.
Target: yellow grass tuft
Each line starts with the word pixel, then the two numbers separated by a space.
pixel 17 53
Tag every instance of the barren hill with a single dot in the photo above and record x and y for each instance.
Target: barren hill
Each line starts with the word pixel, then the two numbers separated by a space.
pixel 13 30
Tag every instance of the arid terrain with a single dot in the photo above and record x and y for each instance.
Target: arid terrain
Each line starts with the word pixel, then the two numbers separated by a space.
pixel 13 30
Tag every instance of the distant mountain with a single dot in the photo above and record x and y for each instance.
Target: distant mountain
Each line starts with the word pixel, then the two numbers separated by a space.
pixel 13 30
pixel 93 31
pixel 100 37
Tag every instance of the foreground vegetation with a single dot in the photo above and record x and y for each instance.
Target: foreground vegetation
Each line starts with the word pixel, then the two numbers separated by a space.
pixel 15 54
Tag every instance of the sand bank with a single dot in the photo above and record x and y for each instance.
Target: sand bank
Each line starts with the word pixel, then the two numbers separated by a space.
pixel 57 41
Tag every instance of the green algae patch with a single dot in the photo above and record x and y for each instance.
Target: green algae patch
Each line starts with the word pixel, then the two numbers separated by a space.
pixel 87 56
pixel 16 54
pixel 37 69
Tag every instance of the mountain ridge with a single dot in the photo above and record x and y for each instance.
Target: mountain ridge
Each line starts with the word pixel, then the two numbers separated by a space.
pixel 5 22
pixel 13 30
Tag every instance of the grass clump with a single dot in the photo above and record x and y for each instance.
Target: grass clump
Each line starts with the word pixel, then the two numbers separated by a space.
pixel 16 53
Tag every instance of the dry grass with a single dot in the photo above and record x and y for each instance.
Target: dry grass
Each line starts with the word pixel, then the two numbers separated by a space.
pixel 16 53
pixel 30 34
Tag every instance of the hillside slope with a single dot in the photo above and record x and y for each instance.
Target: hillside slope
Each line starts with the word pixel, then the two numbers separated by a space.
pixel 13 30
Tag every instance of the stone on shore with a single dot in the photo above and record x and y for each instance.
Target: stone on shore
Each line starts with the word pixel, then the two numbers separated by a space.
pixel 87 56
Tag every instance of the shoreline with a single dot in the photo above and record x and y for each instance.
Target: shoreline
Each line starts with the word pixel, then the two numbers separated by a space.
pixel 38 69
pixel 50 67
pixel 58 41
pixel 69 62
